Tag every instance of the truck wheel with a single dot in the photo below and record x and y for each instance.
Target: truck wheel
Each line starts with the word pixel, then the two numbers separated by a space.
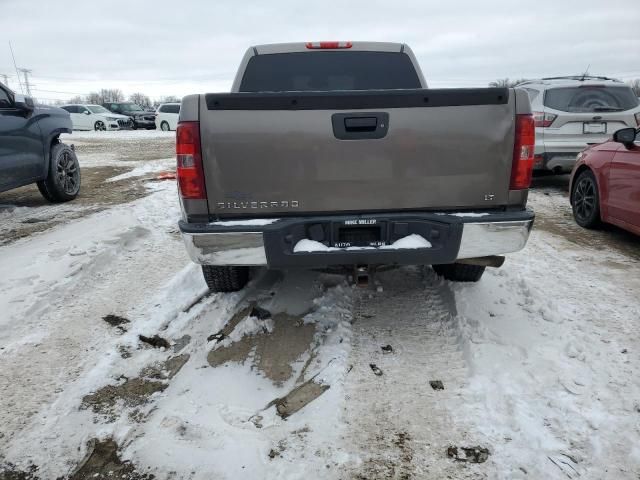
pixel 63 180
pixel 225 279
pixel 459 272
pixel 585 201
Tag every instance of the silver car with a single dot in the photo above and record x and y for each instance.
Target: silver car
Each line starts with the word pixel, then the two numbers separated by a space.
pixel 572 113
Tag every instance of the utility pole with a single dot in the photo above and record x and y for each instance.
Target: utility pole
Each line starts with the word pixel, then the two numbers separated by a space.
pixel 6 78
pixel 26 72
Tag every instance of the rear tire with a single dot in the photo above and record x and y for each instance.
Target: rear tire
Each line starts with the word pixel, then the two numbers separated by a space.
pixel 99 126
pixel 459 272
pixel 585 200
pixel 63 179
pixel 225 279
pixel 164 126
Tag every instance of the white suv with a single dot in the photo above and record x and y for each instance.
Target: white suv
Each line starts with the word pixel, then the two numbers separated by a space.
pixel 167 116
pixel 95 117
pixel 572 113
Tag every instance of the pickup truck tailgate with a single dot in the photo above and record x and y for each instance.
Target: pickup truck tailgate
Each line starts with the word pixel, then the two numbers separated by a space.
pixel 268 154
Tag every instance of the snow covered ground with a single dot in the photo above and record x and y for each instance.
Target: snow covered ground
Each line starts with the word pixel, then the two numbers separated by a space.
pixel 535 368
pixel 121 147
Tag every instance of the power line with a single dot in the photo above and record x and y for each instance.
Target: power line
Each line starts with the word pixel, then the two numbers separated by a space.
pixel 57 91
pixel 26 72
pixel 15 66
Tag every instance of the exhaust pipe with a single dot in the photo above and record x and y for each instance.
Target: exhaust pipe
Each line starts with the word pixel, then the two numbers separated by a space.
pixel 495 261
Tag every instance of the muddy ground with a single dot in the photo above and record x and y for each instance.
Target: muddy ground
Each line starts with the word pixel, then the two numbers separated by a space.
pixel 24 211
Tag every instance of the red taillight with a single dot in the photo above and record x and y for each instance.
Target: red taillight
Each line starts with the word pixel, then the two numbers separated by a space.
pixel 523 148
pixel 543 119
pixel 189 161
pixel 328 45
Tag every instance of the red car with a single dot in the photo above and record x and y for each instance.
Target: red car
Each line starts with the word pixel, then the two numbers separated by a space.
pixel 605 183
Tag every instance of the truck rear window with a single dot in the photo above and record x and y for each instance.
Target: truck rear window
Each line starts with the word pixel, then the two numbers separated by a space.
pixel 326 71
pixel 590 98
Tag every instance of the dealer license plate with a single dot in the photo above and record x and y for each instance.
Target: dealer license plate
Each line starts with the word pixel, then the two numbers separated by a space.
pixel 594 127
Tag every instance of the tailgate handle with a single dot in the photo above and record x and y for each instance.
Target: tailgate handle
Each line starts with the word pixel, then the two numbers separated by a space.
pixel 360 124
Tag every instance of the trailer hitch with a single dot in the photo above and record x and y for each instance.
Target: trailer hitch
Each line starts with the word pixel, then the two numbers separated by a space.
pixel 364 275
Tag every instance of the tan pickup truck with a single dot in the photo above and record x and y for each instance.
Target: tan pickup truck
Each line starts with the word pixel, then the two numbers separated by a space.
pixel 337 154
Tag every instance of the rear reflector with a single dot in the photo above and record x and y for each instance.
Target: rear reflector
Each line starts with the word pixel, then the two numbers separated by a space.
pixel 543 119
pixel 523 148
pixel 328 45
pixel 189 161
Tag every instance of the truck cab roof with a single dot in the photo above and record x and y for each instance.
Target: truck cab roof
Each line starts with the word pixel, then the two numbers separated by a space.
pixel 356 51
pixel 270 48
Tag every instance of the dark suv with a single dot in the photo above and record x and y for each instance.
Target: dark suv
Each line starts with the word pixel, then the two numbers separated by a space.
pixel 139 117
pixel 31 150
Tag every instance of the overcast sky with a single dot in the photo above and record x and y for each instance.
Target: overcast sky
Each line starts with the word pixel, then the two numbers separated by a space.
pixel 176 47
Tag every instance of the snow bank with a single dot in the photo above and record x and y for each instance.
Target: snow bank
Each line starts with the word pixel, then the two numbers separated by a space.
pixel 116 134
pixel 409 242
pixel 148 167
pixel 306 245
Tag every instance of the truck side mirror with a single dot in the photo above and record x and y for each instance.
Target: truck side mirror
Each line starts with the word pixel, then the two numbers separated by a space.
pixel 24 103
pixel 626 136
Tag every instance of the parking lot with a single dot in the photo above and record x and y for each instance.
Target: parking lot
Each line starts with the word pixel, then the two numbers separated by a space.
pixel 531 373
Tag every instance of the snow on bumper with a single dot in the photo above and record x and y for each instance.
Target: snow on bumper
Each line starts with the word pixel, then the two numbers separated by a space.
pixel 450 237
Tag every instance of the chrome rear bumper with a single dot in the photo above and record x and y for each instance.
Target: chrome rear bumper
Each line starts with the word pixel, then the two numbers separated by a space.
pixel 477 239
pixel 234 248
pixel 493 238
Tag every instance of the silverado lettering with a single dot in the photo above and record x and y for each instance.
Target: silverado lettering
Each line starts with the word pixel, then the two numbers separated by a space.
pixel 258 205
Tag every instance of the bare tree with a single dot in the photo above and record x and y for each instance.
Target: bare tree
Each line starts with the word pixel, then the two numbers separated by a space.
pixel 140 99
pixel 169 99
pixel 111 95
pixel 107 95
pixel 635 86
pixel 505 82
pixel 94 98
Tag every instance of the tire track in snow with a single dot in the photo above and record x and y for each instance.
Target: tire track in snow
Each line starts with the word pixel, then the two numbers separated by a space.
pixel 399 426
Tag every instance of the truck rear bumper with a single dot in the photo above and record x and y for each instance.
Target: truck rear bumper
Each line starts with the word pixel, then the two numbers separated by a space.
pixel 453 236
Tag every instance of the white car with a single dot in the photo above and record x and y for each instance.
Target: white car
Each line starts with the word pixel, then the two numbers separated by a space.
pixel 572 113
pixel 167 116
pixel 95 117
